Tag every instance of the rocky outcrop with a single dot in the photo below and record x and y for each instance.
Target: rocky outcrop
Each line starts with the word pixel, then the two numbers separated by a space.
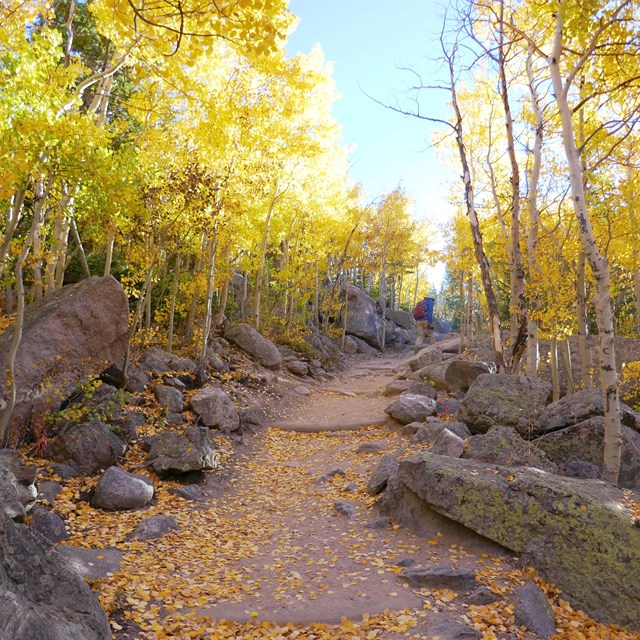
pixel 417 387
pixel 40 597
pixel 502 399
pixel 404 319
pixel 579 450
pixel 157 361
pixel 74 333
pixel 173 452
pixel 249 340
pixel 216 409
pixel 17 484
pixel 88 447
pixel 578 535
pixel 363 319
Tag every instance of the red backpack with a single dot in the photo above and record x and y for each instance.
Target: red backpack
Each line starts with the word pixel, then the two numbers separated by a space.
pixel 419 312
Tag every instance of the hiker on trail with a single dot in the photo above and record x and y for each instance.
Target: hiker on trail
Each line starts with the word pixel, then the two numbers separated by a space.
pixel 423 313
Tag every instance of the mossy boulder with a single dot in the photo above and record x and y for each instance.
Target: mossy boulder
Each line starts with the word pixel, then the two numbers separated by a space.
pixel 502 399
pixel 579 534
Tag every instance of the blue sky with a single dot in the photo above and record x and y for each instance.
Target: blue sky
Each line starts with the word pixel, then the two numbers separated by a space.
pixel 367 40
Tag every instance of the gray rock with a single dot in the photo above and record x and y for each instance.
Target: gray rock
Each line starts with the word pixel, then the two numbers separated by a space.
pixel 119 490
pixel 427 433
pixel 442 577
pixel 252 417
pixel 448 443
pixel 173 452
pixel 482 596
pixel 91 564
pixel 409 407
pixel 191 492
pixel 297 367
pixel 579 451
pixel 70 335
pixel 431 354
pixel 409 430
pixel 403 319
pixel 155 527
pixel 502 399
pixel 88 447
pixel 379 523
pixel 387 467
pixel 579 535
pixel 174 419
pixel 158 361
pixel 132 422
pixel 137 380
pixel 350 345
pixel 578 407
pixel 176 383
pixel 17 484
pixel 352 486
pixel 216 409
pixel 460 374
pixel 49 524
pixel 248 339
pixel 302 390
pixel 446 407
pixel 215 361
pixel 169 397
pixel 65 471
pixel 416 387
pixel 503 445
pixel 345 508
pixel 363 319
pixel 444 628
pixel 331 474
pixel 533 611
pixel 405 562
pixel 432 374
pixel 48 490
pixel 364 348
pixel 371 447
pixel 40 597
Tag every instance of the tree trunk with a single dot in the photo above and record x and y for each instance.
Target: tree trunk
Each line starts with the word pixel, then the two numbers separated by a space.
pixel 583 328
pixel 599 268
pixel 109 254
pixel 222 308
pixel 212 246
pixel 483 262
pixel 15 211
pixel 172 304
pixel 83 258
pixel 565 353
pixel 553 363
pixel 193 307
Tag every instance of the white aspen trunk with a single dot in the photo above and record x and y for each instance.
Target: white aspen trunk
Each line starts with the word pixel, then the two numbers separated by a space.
pixel 212 246
pixel 7 411
pixel 83 257
pixel 262 255
pixel 224 297
pixel 315 320
pixel 636 290
pixel 533 349
pixel 636 252
pixel 469 337
pixel 463 315
pixel 583 327
pixel 565 353
pixel 54 272
pixel 481 257
pixel 111 238
pixel 193 307
pixel 13 218
pixel 245 295
pixel 383 301
pixel 172 304
pixel 517 302
pixel 599 267
pixel 553 363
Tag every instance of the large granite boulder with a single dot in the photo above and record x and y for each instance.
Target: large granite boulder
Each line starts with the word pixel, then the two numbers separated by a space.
pixel 410 407
pixel 364 348
pixel 582 443
pixel 579 534
pixel 88 447
pixel 502 399
pixel 173 452
pixel 41 598
pixel 363 319
pixel 248 339
pixel 460 374
pixel 119 490
pixel 577 407
pixel 503 445
pixel 430 354
pixel 216 409
pixel 70 335
pixel 432 374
